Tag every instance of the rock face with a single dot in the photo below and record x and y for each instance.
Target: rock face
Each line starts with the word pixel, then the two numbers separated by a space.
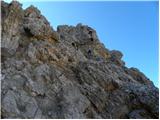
pixel 66 73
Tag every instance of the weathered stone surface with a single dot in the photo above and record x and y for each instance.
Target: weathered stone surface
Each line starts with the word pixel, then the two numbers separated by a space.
pixel 36 25
pixel 116 57
pixel 66 73
pixel 11 25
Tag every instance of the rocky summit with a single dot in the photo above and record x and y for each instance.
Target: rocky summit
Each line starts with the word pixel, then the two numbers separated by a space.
pixel 66 73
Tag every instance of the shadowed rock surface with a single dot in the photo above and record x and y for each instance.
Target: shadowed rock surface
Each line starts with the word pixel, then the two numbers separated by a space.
pixel 66 73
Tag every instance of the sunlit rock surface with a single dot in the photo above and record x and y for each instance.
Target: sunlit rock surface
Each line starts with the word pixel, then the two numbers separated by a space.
pixel 66 73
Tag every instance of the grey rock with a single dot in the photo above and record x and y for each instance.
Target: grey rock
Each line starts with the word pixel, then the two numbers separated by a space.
pixel 66 73
pixel 10 109
pixel 37 26
pixel 10 26
pixel 116 57
pixel 116 54
pixel 138 114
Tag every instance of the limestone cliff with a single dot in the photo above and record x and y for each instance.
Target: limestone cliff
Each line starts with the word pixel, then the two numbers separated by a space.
pixel 66 73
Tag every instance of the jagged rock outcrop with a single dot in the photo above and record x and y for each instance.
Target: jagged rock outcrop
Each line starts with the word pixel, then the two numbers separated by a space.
pixel 66 73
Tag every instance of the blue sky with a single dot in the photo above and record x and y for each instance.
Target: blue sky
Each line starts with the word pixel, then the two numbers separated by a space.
pixel 131 27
